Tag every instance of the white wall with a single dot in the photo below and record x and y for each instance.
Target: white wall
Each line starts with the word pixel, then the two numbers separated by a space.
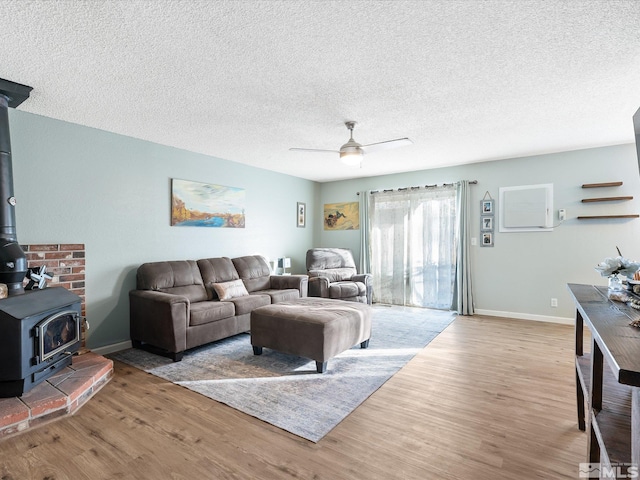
pixel 524 270
pixel 80 185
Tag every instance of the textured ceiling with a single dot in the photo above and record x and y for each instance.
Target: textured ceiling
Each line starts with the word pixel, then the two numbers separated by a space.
pixel 467 81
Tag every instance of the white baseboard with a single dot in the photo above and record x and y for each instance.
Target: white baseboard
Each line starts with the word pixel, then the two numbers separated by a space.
pixel 526 316
pixel 114 347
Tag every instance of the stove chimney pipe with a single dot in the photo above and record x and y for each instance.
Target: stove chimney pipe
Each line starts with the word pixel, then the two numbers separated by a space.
pixel 13 262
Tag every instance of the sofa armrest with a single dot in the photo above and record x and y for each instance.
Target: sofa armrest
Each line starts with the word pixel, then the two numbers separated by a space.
pixel 319 287
pixel 299 282
pixel 367 279
pixel 159 319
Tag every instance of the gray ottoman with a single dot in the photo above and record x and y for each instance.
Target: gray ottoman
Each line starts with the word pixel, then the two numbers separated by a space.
pixel 310 327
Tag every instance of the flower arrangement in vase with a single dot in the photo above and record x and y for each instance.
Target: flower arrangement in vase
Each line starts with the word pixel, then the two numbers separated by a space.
pixel 613 266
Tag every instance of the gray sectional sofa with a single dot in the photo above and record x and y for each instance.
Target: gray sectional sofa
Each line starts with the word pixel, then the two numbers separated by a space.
pixel 178 305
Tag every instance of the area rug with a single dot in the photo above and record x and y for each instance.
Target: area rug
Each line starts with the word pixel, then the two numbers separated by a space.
pixel 285 390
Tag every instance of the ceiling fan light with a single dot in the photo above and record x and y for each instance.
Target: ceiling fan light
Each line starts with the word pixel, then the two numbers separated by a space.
pixel 351 159
pixel 351 155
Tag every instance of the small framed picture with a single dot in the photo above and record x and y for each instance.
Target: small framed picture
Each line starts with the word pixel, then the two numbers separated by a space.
pixel 487 207
pixel 486 223
pixel 487 239
pixel 301 214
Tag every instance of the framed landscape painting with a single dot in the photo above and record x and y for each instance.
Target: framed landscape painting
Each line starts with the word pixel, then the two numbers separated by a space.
pixel 342 216
pixel 195 204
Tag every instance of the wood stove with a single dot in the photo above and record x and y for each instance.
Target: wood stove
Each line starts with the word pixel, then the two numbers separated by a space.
pixel 39 333
pixel 39 329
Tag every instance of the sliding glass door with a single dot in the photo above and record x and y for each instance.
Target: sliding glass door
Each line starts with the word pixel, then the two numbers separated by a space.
pixel 413 246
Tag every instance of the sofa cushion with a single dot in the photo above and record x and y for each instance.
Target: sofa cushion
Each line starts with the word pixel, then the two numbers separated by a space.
pixel 216 270
pixel 323 258
pixel 334 274
pixel 346 289
pixel 278 296
pixel 254 272
pixel 180 277
pixel 195 293
pixel 247 304
pixel 232 289
pixel 207 312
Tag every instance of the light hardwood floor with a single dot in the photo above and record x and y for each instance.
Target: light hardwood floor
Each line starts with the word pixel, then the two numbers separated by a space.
pixel 487 399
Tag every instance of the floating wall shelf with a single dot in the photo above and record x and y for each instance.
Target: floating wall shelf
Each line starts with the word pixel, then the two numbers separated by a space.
pixel 600 185
pixel 591 217
pixel 605 199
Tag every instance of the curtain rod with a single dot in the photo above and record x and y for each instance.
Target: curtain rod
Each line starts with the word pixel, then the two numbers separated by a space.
pixel 471 182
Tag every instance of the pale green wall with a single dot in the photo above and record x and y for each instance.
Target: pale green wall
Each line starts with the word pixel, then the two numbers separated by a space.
pixel 81 185
pixel 525 270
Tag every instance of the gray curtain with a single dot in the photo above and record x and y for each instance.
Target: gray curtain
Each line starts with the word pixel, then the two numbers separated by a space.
pixel 463 291
pixel 365 251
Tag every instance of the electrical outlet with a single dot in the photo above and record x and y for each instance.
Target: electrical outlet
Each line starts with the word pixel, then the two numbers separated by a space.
pixel 474 241
pixel 554 302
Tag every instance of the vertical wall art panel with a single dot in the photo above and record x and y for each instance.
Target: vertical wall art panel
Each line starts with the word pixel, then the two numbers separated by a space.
pixel 487 211
pixel 301 213
pixel 197 204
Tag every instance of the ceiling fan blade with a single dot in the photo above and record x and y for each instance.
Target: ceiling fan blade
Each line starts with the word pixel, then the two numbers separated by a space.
pixel 387 145
pixel 313 150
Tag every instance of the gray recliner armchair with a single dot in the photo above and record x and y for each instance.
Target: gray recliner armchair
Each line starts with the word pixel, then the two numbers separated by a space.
pixel 333 274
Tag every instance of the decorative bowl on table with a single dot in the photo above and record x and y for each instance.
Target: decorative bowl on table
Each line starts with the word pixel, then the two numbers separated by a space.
pixel 634 286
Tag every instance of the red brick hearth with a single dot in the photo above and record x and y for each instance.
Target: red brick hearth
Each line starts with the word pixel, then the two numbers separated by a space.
pixel 65 392
pixel 59 396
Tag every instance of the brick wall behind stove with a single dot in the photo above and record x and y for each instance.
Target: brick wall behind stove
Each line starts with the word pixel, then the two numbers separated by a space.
pixel 64 261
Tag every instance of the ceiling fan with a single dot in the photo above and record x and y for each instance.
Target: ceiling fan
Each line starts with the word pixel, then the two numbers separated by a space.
pixel 351 153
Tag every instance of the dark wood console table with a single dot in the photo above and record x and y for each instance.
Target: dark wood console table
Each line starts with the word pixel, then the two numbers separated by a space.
pixel 608 378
